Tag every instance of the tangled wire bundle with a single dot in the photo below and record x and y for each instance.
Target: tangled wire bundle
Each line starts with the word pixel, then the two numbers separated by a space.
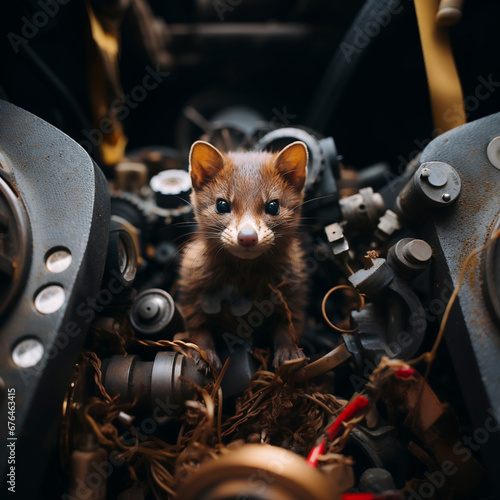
pixel 273 410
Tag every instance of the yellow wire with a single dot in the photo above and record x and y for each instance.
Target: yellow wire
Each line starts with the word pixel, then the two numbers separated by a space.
pixel 431 355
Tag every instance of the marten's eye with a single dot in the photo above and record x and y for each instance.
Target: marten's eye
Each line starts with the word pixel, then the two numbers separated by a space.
pixel 222 206
pixel 273 208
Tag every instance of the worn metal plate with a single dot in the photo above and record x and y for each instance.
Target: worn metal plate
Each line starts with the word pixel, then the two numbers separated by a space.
pixel 472 335
pixel 66 199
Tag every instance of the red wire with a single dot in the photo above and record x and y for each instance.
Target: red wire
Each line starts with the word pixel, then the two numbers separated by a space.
pixel 358 496
pixel 315 452
pixel 404 372
pixel 370 496
pixel 347 414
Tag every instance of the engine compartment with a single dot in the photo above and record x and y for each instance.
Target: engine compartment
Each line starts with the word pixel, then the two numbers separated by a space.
pixel 398 397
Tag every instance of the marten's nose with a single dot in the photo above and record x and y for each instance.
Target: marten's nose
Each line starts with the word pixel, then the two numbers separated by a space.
pixel 247 237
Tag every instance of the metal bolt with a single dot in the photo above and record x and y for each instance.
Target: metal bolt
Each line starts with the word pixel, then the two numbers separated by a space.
pixel 446 197
pixel 50 299
pixel 417 252
pixel 58 260
pixel 149 309
pixel 493 152
pixel 28 353
pixel 425 172
pixel 438 176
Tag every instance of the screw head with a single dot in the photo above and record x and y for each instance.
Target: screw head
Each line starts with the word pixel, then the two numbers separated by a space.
pixel 446 197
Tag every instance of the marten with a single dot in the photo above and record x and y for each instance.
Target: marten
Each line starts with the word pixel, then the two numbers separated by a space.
pixel 243 273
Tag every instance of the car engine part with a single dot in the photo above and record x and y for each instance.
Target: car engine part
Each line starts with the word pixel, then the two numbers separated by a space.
pixel 58 227
pixel 154 314
pixel 132 379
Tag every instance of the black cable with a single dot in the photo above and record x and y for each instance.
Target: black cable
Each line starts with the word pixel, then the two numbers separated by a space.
pixel 62 90
pixel 56 83
pixel 348 57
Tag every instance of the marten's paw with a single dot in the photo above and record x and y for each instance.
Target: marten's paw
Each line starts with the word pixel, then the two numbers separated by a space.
pixel 287 353
pixel 202 365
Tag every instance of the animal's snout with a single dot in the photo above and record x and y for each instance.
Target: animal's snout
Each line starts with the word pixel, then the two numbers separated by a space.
pixel 247 237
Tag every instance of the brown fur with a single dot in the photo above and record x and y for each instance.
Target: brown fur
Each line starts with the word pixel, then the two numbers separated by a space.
pixel 213 263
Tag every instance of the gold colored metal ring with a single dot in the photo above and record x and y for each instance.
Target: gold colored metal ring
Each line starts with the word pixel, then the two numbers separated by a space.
pixel 327 295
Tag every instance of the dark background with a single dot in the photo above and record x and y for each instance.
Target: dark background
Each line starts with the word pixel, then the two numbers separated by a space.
pixel 381 109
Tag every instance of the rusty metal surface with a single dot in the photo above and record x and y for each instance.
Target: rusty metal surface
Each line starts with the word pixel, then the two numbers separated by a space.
pixel 491 275
pixel 472 336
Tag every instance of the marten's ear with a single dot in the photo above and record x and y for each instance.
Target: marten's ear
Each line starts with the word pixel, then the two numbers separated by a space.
pixel 205 161
pixel 292 164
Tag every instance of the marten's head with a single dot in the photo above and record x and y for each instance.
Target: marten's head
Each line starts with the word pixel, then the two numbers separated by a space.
pixel 248 203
